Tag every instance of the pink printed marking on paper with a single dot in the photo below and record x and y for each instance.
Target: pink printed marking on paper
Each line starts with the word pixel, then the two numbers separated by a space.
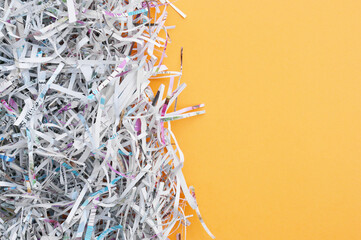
pixel 7 106
pixel 122 64
pixel 138 126
pixel 121 174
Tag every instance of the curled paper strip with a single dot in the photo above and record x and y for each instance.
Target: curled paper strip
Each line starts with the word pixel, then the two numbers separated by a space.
pixel 87 150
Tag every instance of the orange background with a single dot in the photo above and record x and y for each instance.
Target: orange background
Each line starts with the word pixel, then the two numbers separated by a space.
pixel 278 153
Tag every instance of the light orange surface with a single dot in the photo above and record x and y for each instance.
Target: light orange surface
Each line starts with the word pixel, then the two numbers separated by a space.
pixel 278 154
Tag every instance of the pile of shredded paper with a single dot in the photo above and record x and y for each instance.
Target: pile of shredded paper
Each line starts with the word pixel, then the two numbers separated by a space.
pixel 86 147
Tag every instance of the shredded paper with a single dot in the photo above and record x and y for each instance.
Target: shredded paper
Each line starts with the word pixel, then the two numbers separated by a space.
pixel 86 147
